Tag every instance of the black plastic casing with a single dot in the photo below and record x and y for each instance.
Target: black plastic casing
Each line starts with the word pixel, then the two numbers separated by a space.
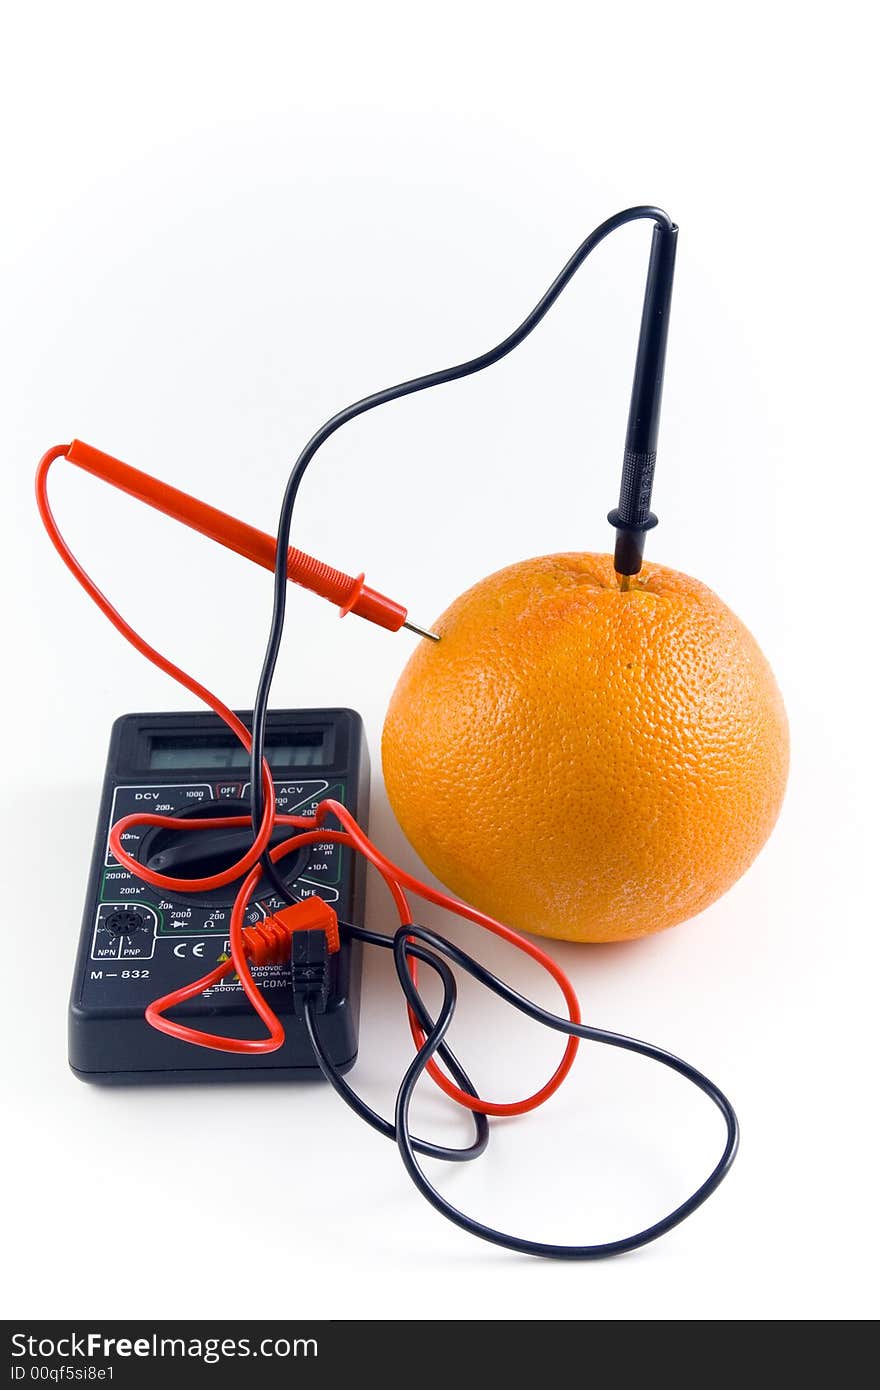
pixel 109 1040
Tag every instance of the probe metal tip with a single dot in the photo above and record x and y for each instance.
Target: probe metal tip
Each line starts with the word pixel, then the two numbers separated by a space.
pixel 422 632
pixel 624 582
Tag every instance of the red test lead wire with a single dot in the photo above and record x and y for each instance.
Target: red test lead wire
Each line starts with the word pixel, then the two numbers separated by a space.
pixel 242 945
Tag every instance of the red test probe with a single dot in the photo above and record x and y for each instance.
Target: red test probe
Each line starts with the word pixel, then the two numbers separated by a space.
pixel 349 592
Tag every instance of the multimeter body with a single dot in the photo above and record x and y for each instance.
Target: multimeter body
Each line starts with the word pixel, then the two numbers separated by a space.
pixel 138 943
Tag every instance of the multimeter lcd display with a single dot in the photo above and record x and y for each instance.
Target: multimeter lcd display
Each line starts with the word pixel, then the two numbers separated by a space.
pixel 306 748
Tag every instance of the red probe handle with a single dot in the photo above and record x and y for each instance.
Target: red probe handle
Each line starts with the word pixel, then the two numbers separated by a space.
pixel 351 594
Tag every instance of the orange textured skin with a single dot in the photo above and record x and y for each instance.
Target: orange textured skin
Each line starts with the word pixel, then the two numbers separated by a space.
pixel 583 763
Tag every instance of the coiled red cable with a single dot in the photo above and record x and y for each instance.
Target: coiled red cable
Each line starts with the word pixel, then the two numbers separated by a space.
pixel 398 880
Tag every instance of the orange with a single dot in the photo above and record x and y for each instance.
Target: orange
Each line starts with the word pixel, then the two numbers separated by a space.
pixel 585 763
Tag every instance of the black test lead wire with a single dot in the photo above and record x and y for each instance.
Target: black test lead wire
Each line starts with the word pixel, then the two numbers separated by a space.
pixel 632 516
pixel 631 519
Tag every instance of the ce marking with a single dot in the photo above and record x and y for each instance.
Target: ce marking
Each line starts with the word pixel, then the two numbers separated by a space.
pixel 197 948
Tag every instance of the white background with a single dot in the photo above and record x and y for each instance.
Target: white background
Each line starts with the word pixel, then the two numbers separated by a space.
pixel 224 222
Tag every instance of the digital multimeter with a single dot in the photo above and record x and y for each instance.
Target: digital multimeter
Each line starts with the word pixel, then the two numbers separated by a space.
pixel 138 943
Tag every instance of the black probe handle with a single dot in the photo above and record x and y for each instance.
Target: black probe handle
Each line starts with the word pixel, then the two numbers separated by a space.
pixel 632 516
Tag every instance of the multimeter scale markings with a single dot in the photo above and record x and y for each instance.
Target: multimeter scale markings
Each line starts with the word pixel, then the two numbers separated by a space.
pixel 128 902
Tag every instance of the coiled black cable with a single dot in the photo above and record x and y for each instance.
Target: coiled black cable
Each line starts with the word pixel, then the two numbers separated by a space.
pixel 405 943
pixel 359 1106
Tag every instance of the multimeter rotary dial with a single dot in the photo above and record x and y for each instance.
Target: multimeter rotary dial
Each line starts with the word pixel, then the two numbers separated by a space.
pixel 195 854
